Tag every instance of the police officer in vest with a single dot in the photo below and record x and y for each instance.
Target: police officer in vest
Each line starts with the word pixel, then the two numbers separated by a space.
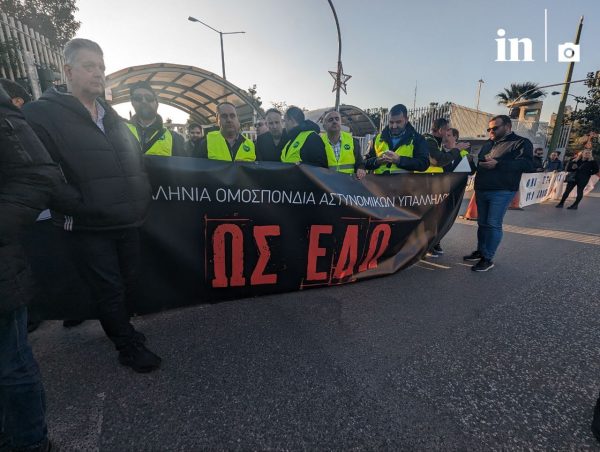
pixel 399 148
pixel 343 150
pixel 147 126
pixel 227 143
pixel 304 143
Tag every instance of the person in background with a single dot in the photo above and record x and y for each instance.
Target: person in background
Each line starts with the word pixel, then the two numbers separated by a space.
pixel 270 144
pixel 538 160
pixel 580 169
pixel 261 127
pixel 147 125
pixel 17 94
pixel 195 134
pixel 553 163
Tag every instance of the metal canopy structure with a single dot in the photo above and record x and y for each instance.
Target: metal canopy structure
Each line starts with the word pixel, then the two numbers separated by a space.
pixel 188 88
pixel 358 121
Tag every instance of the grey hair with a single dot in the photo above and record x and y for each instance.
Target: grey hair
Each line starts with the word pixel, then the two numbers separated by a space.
pixel 75 45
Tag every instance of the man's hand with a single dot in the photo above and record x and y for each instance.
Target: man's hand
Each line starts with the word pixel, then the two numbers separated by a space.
pixel 488 163
pixel 360 173
pixel 463 145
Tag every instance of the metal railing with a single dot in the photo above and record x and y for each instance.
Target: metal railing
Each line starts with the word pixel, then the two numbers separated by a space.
pixel 21 42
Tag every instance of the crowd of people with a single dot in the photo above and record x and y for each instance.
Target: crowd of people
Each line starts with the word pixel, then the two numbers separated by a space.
pixel 72 153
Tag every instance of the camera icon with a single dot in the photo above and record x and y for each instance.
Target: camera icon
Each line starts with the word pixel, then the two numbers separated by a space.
pixel 568 53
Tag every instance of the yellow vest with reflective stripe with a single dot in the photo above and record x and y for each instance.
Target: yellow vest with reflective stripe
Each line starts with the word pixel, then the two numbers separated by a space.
pixel 162 146
pixel 218 150
pixel 346 162
pixel 291 151
pixel 406 150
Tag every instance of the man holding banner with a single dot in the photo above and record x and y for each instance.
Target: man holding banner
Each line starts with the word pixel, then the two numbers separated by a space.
pixel 343 150
pixel 227 143
pixel 399 148
pixel 502 161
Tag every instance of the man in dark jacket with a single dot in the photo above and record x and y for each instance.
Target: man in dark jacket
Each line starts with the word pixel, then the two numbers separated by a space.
pixel 270 144
pixel 147 125
pixel 502 161
pixel 538 160
pixel 27 177
pixel 438 157
pixel 399 148
pixel 553 163
pixel 192 146
pixel 304 143
pixel 105 196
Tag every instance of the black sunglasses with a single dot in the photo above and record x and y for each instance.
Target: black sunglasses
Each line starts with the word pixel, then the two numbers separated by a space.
pixel 489 129
pixel 143 98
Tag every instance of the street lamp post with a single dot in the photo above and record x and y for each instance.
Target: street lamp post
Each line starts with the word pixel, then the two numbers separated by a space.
pixel 340 78
pixel 221 33
pixel 577 99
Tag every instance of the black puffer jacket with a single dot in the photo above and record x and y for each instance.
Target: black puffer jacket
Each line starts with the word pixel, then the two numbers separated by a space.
pixel 27 178
pixel 106 184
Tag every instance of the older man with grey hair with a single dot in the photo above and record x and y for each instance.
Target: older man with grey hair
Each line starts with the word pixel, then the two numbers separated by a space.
pixel 105 195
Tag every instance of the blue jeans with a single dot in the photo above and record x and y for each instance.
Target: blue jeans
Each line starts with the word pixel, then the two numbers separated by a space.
pixel 491 207
pixel 22 398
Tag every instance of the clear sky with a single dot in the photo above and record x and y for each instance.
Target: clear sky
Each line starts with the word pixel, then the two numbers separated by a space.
pixel 444 46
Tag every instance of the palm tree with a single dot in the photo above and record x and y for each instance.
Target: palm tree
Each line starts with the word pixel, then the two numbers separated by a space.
pixel 527 90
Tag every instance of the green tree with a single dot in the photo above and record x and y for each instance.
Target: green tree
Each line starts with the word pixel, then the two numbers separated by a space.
pixel 55 19
pixel 587 119
pixel 526 90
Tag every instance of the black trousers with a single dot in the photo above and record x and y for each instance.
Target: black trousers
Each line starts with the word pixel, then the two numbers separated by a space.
pixel 570 185
pixel 108 262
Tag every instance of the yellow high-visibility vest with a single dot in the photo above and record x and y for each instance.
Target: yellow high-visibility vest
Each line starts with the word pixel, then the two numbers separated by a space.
pixel 162 146
pixel 406 150
pixel 346 162
pixel 291 151
pixel 218 150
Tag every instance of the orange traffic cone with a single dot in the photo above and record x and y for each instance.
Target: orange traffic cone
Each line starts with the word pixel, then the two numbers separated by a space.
pixel 471 213
pixel 514 204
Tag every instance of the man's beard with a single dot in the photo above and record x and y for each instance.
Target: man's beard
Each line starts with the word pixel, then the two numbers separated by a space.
pixel 146 113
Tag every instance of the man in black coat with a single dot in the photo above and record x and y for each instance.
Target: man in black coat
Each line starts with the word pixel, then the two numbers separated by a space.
pixel 105 196
pixel 270 144
pixel 27 178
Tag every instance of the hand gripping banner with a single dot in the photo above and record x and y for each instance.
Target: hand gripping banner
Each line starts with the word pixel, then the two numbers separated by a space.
pixel 219 231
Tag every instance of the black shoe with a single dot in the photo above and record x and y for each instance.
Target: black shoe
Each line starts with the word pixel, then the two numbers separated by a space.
pixel 596 420
pixel 70 323
pixel 483 265
pixel 33 325
pixel 438 249
pixel 139 358
pixel 139 337
pixel 572 207
pixel 473 257
pixel 560 205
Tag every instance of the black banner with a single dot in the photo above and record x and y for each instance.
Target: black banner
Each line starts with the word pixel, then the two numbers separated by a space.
pixel 219 231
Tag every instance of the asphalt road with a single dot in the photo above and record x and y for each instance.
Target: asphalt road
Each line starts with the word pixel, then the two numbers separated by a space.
pixel 434 357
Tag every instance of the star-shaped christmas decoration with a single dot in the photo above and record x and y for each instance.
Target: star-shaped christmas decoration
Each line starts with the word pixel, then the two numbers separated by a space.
pixel 343 80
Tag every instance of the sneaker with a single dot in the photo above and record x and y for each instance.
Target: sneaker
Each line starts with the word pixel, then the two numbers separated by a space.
pixel 483 265
pixel 560 205
pixel 572 207
pixel 434 254
pixel 438 249
pixel 139 358
pixel 596 420
pixel 473 257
